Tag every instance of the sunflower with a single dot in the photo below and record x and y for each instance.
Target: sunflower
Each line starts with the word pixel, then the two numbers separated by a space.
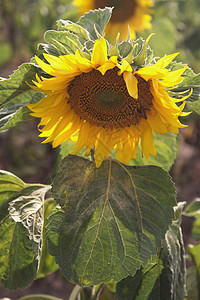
pixel 104 104
pixel 133 13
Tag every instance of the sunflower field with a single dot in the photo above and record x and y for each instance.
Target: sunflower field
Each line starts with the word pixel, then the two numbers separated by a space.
pixel 105 203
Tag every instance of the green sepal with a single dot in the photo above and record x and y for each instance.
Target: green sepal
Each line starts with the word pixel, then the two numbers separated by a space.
pixel 140 59
pixel 125 48
pixel 114 51
pixel 130 56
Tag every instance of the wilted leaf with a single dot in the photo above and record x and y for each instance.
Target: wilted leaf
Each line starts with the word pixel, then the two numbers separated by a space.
pixel 18 264
pixel 28 210
pixel 112 218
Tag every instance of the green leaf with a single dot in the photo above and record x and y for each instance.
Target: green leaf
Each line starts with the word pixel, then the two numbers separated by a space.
pixel 28 210
pixel 75 28
pixel 111 221
pixel 47 262
pixel 18 264
pixel 195 106
pixel 141 58
pixel 196 229
pixel 171 282
pixel 68 147
pixel 12 115
pixel 190 81
pixel 194 251
pixel 95 18
pixel 193 209
pixel 18 254
pixel 61 42
pixel 193 283
pixel 141 285
pixel 125 48
pixel 16 86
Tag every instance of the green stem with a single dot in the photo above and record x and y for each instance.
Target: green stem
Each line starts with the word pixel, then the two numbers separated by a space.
pixel 75 292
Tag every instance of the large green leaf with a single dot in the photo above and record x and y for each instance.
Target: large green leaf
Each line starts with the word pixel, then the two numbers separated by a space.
pixel 16 87
pixel 20 240
pixel 112 218
pixel 140 285
pixel 98 19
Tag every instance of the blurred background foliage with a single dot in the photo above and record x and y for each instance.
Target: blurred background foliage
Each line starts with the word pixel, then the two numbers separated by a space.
pixel 23 23
pixel 22 26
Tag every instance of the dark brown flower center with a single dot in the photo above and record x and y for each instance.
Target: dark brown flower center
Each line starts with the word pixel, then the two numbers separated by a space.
pixel 123 9
pixel 103 100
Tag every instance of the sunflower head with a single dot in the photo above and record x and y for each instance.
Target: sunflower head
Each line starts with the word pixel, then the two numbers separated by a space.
pixel 107 97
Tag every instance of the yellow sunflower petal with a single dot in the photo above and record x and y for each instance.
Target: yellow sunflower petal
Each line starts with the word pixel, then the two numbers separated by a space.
pixel 110 64
pixel 99 54
pixel 173 78
pixel 125 66
pixel 165 60
pixel 147 142
pixel 131 84
pixel 47 68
